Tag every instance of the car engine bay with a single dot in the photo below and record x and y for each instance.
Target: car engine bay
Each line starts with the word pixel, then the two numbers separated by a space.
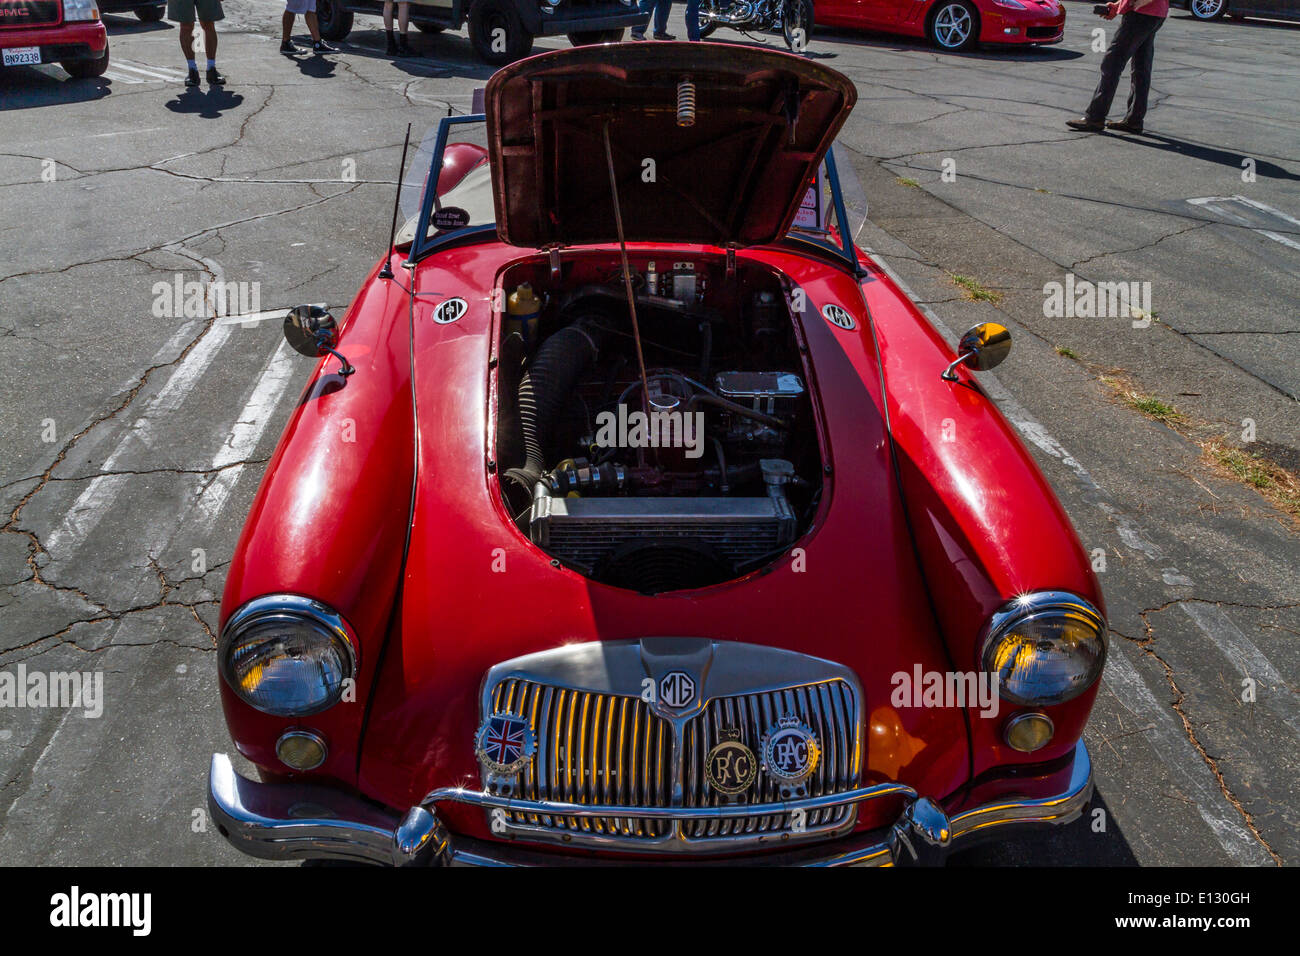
pixel 675 450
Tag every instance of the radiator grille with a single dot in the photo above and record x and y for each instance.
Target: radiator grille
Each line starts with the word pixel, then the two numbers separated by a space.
pixel 29 13
pixel 611 749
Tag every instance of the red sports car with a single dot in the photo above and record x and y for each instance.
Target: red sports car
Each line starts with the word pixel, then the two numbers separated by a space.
pixel 67 32
pixel 951 24
pixel 633 512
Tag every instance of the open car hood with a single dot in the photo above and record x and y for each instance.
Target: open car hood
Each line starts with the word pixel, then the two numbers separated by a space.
pixel 763 122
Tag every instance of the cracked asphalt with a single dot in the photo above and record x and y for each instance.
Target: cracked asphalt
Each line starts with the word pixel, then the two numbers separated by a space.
pixel 132 443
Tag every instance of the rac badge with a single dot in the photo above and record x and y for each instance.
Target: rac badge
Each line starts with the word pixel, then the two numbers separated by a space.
pixel 730 766
pixel 505 743
pixel 790 751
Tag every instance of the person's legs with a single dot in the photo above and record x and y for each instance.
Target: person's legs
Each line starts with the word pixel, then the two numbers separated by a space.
pixel 693 20
pixel 661 16
pixel 286 27
pixel 210 41
pixel 388 16
pixel 647 7
pixel 186 32
pixel 1127 39
pixel 313 25
pixel 1143 61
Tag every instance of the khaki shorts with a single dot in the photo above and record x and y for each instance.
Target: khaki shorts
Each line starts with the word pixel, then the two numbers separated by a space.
pixel 183 11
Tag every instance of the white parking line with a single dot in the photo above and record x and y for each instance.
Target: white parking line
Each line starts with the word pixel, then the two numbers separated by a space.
pixel 1218 205
pixel 246 434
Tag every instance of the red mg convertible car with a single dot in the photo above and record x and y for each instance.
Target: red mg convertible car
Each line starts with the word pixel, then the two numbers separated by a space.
pixel 632 512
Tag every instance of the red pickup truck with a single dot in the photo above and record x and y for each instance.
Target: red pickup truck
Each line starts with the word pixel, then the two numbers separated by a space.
pixel 67 32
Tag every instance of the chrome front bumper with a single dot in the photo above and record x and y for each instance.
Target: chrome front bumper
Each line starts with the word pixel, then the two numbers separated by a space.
pixel 304 821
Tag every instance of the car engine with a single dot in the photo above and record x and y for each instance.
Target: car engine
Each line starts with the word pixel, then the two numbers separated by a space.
pixel 702 469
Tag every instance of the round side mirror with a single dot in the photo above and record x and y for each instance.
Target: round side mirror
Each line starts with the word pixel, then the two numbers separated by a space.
pixel 981 348
pixel 310 330
pixel 985 346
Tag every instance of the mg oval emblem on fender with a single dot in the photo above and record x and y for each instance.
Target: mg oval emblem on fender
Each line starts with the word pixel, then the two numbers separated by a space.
pixel 449 310
pixel 838 316
pixel 677 689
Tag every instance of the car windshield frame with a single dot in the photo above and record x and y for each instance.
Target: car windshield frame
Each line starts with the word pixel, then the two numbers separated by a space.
pixel 838 243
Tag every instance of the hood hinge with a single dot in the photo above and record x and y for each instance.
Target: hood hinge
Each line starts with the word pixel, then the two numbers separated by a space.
pixel 553 253
pixel 731 261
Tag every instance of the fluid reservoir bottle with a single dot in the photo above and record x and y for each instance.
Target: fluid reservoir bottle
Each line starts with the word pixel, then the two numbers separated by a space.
pixel 524 308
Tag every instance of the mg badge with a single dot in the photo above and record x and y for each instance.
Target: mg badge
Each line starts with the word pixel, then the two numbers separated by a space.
pixel 790 751
pixel 730 766
pixel 677 690
pixel 505 743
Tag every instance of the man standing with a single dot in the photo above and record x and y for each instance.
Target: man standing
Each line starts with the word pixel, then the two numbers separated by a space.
pixel 308 10
pixel 208 13
pixel 1134 40
pixel 660 9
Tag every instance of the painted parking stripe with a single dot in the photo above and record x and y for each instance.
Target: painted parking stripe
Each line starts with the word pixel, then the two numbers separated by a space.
pixel 1222 206
pixel 246 434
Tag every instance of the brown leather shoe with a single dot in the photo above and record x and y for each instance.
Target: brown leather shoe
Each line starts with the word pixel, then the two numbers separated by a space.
pixel 1085 125
pixel 1124 126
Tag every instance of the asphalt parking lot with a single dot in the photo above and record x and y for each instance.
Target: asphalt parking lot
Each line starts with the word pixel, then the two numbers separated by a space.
pixel 132 444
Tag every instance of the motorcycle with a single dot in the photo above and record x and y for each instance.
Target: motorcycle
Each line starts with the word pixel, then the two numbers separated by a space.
pixel 793 18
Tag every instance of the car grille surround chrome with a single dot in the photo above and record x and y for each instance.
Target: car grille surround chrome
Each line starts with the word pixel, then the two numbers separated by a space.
pixel 603 741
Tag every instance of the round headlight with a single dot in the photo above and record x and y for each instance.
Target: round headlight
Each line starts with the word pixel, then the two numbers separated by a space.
pixel 286 655
pixel 1045 647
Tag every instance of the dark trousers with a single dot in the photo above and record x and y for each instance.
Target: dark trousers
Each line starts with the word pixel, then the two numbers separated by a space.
pixel 660 9
pixel 692 19
pixel 1135 40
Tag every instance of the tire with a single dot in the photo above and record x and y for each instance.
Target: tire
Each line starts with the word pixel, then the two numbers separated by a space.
pixel 1207 9
pixel 954 25
pixel 488 16
pixel 150 14
pixel 335 22
pixel 708 26
pixel 588 37
pixel 799 16
pixel 86 69
pixel 430 27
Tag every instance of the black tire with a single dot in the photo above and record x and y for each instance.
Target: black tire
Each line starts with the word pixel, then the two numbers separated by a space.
pixel 430 27
pixel 588 37
pixel 708 26
pixel 1207 9
pixel 335 22
pixel 800 17
pixel 953 25
pixel 86 69
pixel 150 14
pixel 488 16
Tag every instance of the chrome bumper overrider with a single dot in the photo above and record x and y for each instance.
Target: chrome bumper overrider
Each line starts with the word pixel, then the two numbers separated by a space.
pixel 302 821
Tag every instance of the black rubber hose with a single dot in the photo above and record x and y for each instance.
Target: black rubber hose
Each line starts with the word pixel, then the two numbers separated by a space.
pixel 543 391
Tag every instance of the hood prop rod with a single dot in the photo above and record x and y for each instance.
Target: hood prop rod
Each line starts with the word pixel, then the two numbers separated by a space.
pixel 627 272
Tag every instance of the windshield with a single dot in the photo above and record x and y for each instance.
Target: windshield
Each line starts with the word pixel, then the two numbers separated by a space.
pixel 448 185
pixel 831 214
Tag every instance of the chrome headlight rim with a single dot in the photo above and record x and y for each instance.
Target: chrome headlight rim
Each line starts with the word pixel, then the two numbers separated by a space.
pixel 284 608
pixel 1032 606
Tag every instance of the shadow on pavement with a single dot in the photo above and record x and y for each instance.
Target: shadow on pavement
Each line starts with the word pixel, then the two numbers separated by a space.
pixel 1207 153
pixel 127 24
pixel 1072 845
pixel 25 87
pixel 206 103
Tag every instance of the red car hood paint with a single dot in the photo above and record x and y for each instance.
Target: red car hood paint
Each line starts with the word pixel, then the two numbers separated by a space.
pixel 476 592
pixel 762 123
